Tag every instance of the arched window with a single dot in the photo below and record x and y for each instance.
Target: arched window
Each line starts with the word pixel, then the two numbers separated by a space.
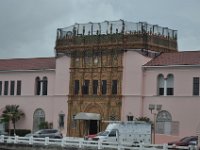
pixel 38 118
pixel 160 82
pixel 37 86
pixel 44 86
pixel 164 116
pixel 41 86
pixel 165 125
pixel 170 84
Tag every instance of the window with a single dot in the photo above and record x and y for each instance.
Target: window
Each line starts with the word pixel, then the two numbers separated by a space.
pixel 165 125
pixel 61 120
pixel 5 87
pixel 44 86
pixel 170 84
pixel 76 87
pixel 38 118
pixel 95 87
pixel 160 85
pixel 12 87
pixel 41 86
pixel 104 87
pixel 196 86
pixel 19 87
pixel 114 86
pixel 165 86
pixel 86 87
pixel 37 86
pixel 129 118
pixel 0 87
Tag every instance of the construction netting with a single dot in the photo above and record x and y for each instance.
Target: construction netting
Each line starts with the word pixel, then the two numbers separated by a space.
pixel 113 27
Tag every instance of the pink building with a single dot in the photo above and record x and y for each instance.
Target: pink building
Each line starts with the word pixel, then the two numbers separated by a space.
pixel 161 86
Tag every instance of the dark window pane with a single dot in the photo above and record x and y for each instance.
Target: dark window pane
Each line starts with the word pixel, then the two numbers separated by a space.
pixel 19 87
pixel 76 87
pixel 130 118
pixel 0 87
pixel 196 86
pixel 170 91
pixel 61 120
pixel 6 88
pixel 12 87
pixel 161 91
pixel 37 85
pixel 104 87
pixel 114 86
pixel 86 87
pixel 45 86
pixel 95 86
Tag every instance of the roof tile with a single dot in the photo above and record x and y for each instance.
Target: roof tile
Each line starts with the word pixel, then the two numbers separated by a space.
pixel 27 64
pixel 178 58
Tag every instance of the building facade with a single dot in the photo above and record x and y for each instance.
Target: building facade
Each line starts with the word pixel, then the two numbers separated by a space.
pixel 109 71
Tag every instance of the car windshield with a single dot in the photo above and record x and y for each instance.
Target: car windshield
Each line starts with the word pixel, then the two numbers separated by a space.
pixel 185 139
pixel 105 133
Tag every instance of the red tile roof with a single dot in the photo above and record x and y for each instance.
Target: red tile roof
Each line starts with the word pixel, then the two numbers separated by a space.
pixel 178 58
pixel 27 64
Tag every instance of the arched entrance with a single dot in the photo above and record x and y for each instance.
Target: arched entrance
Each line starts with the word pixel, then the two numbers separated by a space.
pixel 89 120
pixel 38 118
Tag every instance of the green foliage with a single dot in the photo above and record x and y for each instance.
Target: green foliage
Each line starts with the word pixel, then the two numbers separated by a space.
pixel 146 119
pixel 12 113
pixel 44 125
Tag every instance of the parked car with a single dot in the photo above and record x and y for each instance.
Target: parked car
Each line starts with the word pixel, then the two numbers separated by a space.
pixel 90 136
pixel 3 132
pixel 51 133
pixel 186 141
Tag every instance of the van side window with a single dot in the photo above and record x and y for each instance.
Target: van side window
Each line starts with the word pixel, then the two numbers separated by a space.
pixel 112 133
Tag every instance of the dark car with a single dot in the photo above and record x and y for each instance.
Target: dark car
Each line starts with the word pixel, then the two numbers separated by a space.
pixel 186 141
pixel 51 133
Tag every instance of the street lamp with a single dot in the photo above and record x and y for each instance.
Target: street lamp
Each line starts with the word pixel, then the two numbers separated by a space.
pixel 154 108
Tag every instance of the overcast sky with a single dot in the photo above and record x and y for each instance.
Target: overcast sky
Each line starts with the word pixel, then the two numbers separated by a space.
pixel 28 27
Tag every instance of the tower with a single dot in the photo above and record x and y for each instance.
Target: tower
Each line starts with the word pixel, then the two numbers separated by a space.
pixel 96 51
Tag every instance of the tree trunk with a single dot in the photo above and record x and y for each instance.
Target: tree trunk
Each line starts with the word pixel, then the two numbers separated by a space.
pixel 14 127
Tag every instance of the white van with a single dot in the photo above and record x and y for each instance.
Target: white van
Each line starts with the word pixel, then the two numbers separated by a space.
pixel 130 133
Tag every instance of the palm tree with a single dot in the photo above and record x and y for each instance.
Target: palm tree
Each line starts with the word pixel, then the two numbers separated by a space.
pixel 12 113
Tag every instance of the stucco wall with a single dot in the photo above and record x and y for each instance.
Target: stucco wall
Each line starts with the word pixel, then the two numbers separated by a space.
pixel 132 83
pixel 62 77
pixel 182 105
pixel 28 80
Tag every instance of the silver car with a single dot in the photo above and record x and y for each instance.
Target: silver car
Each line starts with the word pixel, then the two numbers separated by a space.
pixel 51 133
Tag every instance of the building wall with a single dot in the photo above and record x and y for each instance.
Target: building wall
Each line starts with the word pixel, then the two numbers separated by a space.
pixel 28 80
pixel 183 106
pixel 62 76
pixel 132 83
pixel 28 102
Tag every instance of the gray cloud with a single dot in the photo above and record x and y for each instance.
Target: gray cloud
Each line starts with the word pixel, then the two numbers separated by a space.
pixel 28 27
